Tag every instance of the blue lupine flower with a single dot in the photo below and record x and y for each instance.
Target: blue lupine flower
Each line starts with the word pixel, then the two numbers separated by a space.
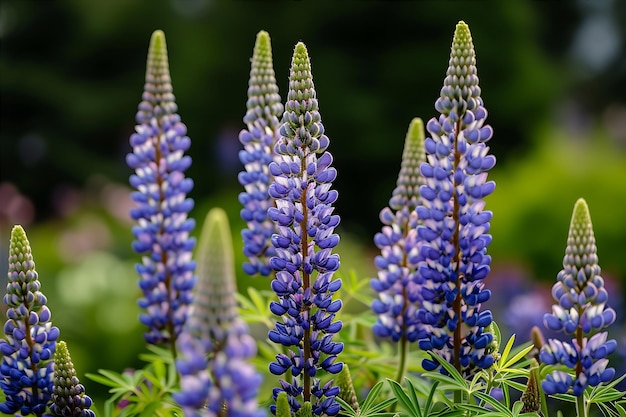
pixel 28 351
pixel 454 225
pixel 304 262
pixel 264 108
pixel 162 230
pixel 397 284
pixel 215 346
pixel 580 309
pixel 68 397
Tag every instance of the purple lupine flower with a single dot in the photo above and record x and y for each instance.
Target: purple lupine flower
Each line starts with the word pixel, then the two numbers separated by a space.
pixel 304 262
pixel 68 397
pixel 579 311
pixel 397 283
pixel 162 230
pixel 264 108
pixel 215 346
pixel 27 353
pixel 454 225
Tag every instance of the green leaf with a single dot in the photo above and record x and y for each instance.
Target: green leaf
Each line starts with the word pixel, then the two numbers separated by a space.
pixel 403 400
pixel 519 355
pixel 150 409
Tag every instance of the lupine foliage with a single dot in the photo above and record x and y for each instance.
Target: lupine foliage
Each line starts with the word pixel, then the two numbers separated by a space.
pixel 433 259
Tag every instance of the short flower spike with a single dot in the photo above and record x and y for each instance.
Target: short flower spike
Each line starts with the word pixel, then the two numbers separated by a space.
pixel 68 397
pixel 262 119
pixel 305 238
pixel 162 230
pixel 215 345
pixel 580 310
pixel 28 351
pixel 454 224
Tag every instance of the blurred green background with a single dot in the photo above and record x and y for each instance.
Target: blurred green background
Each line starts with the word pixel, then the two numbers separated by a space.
pixel 553 77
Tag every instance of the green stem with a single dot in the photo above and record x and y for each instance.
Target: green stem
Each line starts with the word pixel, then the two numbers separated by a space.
pixel 404 352
pixel 581 409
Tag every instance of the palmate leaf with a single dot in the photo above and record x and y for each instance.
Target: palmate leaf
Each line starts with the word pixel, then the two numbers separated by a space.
pixel 371 407
pixel 411 405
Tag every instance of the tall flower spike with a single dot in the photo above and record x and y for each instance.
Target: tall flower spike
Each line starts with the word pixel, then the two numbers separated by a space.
pixel 215 345
pixel 27 353
pixel 304 262
pixel 453 233
pixel 397 284
pixel 162 231
pixel 68 396
pixel 580 309
pixel 264 108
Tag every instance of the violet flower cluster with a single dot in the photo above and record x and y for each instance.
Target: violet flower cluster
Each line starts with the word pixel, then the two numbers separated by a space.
pixel 580 311
pixel 30 339
pixel 398 283
pixel 453 225
pixel 304 242
pixel 215 346
pixel 264 107
pixel 163 228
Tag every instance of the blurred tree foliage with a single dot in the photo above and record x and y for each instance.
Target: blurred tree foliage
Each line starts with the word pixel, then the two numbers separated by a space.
pixel 72 70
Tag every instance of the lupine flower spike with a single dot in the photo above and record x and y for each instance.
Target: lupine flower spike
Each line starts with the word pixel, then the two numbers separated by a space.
pixel 215 347
pixel 580 310
pixel 68 396
pixel 397 285
pixel 27 353
pixel 262 119
pixel 162 230
pixel 454 224
pixel 304 262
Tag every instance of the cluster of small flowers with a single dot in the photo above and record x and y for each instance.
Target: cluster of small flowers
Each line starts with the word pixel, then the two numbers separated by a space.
pixel 580 309
pixel 163 228
pixel 304 262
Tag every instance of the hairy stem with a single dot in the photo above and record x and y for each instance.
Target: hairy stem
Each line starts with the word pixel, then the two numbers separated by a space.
pixel 306 283
pixel 457 303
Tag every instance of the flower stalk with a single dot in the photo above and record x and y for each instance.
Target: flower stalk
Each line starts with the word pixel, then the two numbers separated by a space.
pixel 304 262
pixel 162 232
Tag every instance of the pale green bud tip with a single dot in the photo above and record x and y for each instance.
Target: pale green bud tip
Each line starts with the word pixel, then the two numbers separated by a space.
pixel 157 56
pixel 63 362
pixel 216 229
pixel 282 405
pixel 301 61
pixel 416 131
pixel 20 255
pixel 19 241
pixel 581 219
pixel 581 242
pixel 263 42
pixel 306 410
pixel 157 42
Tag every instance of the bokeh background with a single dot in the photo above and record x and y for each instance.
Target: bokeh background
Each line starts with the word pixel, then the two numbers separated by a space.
pixel 553 77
